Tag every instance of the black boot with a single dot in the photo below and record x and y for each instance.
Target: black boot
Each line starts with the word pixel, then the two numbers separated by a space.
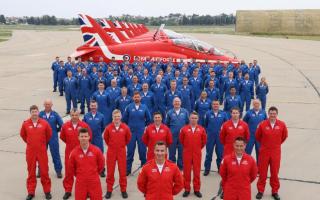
pixel 276 196
pixel 102 174
pixel 198 194
pixel 48 195
pixel 124 195
pixel 30 196
pixel 186 193
pixel 259 195
pixel 59 175
pixel 108 195
pixel 206 172
pixel 66 195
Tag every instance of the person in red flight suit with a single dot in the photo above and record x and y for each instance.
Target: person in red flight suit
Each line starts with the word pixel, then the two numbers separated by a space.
pixel 156 132
pixel 232 129
pixel 159 178
pixel 69 135
pixel 193 138
pixel 238 170
pixel 116 135
pixel 36 133
pixel 86 162
pixel 271 133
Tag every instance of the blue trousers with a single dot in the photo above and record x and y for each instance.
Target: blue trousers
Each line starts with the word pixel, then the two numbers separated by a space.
pixel 246 100
pixel 55 81
pixel 85 98
pixel 98 141
pixel 71 97
pixel 176 145
pixel 263 100
pixel 253 143
pixel 136 138
pixel 213 143
pixel 60 86
pixel 54 150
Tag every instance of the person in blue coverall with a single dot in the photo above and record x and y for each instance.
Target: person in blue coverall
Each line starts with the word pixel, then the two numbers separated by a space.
pixel 61 73
pixel 196 83
pixel 103 100
pixel 85 90
pixel 257 72
pixel 123 101
pixel 95 120
pixel 187 96
pixel 218 69
pixel 262 89
pixel 159 89
pixel 228 83
pixel 99 79
pixel 213 121
pixel 55 121
pixel 137 116
pixel 134 86
pixel 175 119
pixel 212 91
pixel 201 106
pixel 70 85
pixel 113 92
pixel 232 100
pixel 54 67
pixel 147 98
pixel 146 78
pixel 171 94
pixel 243 67
pixel 253 117
pixel 246 91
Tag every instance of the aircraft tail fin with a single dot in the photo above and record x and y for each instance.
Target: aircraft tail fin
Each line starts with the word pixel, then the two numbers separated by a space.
pixel 92 33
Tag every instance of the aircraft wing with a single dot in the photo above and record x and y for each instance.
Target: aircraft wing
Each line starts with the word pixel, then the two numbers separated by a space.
pixel 82 52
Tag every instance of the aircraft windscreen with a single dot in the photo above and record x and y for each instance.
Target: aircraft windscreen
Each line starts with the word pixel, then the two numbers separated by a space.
pixel 172 35
pixel 197 45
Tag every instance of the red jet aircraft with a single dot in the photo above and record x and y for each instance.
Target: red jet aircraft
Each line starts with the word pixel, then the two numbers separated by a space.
pixel 127 41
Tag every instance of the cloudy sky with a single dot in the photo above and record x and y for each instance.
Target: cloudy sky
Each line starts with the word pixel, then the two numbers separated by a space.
pixel 103 8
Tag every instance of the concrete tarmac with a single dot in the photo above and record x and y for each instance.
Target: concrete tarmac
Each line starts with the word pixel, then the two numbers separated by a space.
pixel 290 66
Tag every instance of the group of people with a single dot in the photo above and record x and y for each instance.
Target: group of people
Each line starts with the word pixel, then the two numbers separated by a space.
pixel 186 118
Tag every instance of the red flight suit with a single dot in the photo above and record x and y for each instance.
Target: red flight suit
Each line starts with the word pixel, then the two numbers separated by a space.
pixel 192 143
pixel 86 167
pixel 270 140
pixel 69 135
pixel 160 186
pixel 151 136
pixel 237 178
pixel 116 141
pixel 37 138
pixel 229 133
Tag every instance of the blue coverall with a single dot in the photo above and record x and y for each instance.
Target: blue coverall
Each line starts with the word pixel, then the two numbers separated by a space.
pixel 169 96
pixel 213 124
pixel 201 107
pixel 54 67
pixel 85 90
pixel 137 120
pixel 148 100
pixel 159 92
pixel 56 123
pixel 122 102
pixel 62 73
pixel 246 93
pixel 187 97
pixel 97 126
pixel 231 102
pixel 103 101
pixel 175 122
pixel 261 93
pixel 253 119
pixel 71 92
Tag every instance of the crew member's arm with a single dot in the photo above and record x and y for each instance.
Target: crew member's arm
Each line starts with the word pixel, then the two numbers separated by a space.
pixel 142 181
pixel 177 182
pixel 23 133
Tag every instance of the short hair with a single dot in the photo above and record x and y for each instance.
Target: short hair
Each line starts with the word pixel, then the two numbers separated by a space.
pixel 241 139
pixel 273 108
pixel 116 111
pixel 136 93
pixel 157 113
pixel 83 130
pixel 194 113
pixel 100 82
pixel 232 87
pixel 235 108
pixel 160 143
pixel 33 107
pixel 92 101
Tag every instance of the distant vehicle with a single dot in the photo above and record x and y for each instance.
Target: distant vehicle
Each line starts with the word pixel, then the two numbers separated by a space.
pixel 123 40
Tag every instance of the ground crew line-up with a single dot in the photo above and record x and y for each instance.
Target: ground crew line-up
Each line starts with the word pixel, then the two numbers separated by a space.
pixel 171 111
